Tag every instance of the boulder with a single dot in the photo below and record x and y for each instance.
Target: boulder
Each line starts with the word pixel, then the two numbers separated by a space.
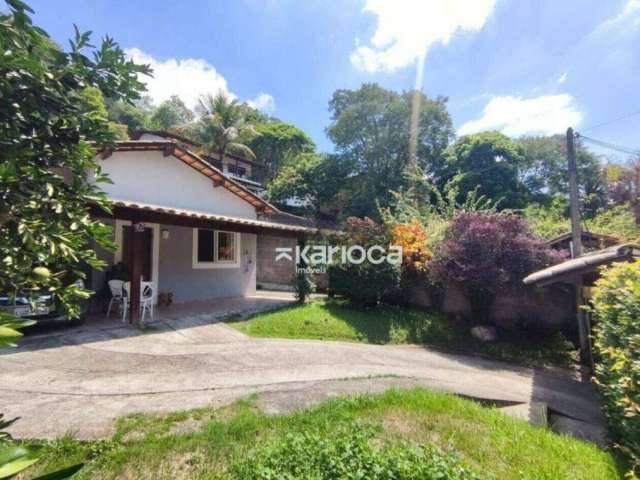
pixel 484 333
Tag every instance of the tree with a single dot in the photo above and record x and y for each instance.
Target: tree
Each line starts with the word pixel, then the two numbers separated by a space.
pixel 276 142
pixel 49 133
pixel 489 162
pixel 483 253
pixel 222 125
pixel 371 129
pixel 544 171
pixel 312 179
pixel 171 113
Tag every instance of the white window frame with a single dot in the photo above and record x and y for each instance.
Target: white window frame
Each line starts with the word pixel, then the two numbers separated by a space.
pixel 216 263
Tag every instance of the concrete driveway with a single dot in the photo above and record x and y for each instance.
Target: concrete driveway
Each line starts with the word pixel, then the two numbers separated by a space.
pixel 80 380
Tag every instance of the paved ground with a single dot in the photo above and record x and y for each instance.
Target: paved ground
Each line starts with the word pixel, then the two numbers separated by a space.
pixel 79 380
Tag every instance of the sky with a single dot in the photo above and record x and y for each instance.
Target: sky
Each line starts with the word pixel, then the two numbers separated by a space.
pixel 517 66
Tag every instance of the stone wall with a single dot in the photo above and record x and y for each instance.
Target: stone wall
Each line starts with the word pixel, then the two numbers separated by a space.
pixel 272 274
pixel 545 309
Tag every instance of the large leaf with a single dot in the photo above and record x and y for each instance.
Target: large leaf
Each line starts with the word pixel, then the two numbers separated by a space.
pixel 14 460
pixel 60 474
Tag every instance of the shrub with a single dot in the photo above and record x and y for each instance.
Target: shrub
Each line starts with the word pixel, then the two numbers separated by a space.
pixel 483 253
pixel 348 453
pixel 365 283
pixel 412 237
pixel 302 283
pixel 616 304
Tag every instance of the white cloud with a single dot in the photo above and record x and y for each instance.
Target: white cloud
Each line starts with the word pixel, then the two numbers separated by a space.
pixel 515 116
pixel 263 102
pixel 406 29
pixel 620 24
pixel 188 78
pixel 563 78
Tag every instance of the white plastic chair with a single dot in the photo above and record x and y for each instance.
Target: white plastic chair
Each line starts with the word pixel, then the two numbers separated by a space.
pixel 117 296
pixel 146 300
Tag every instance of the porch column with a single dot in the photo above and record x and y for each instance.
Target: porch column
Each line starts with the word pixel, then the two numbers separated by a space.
pixel 135 267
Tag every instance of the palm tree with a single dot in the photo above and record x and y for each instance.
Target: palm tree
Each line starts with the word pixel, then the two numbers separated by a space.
pixel 222 127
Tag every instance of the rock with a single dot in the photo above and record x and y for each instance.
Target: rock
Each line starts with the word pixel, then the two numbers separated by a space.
pixel 484 333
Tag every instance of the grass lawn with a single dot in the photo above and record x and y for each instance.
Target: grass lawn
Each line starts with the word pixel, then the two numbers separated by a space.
pixel 208 444
pixel 341 320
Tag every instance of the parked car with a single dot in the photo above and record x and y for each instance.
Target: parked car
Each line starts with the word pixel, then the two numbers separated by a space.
pixel 45 309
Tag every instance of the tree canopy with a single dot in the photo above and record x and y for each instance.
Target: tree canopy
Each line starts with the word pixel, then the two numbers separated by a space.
pixel 371 129
pixel 490 162
pixel 51 123
pixel 276 142
pixel 171 113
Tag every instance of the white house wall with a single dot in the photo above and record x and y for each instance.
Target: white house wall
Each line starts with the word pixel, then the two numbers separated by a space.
pixel 177 274
pixel 150 177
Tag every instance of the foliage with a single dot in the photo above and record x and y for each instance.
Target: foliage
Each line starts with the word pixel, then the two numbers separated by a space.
pixel 483 253
pixel 371 129
pixel 548 222
pixel 489 162
pixel 413 240
pixel 134 115
pixel 364 282
pixel 170 113
pixel 302 282
pixel 616 304
pixel 314 180
pixel 46 126
pixel 277 142
pixel 222 126
pixel 619 221
pixel 348 453
pixel 433 207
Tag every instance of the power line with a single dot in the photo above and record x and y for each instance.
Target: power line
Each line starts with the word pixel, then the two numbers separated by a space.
pixel 611 146
pixel 609 122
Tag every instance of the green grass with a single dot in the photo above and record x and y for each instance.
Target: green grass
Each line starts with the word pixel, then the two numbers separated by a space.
pixel 486 441
pixel 385 324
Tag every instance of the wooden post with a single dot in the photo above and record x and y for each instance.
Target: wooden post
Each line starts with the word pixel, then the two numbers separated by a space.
pixel 136 248
pixel 576 248
pixel 574 202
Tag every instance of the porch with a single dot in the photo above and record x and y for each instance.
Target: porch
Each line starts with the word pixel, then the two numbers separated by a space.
pixel 200 264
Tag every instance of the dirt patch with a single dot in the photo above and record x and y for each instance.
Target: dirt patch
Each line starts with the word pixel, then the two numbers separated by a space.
pixel 189 425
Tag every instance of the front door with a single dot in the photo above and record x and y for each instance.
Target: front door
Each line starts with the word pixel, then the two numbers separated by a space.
pixel 147 259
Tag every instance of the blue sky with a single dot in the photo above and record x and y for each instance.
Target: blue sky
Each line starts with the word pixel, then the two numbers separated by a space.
pixel 519 66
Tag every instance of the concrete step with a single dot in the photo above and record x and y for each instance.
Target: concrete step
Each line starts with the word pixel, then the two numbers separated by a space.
pixel 584 431
pixel 535 412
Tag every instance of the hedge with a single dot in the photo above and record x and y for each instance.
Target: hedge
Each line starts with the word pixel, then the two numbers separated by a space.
pixel 616 305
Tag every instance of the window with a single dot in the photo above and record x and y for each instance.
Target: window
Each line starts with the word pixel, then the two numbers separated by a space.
pixel 215 249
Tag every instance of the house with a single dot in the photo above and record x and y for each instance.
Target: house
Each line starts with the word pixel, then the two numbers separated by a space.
pixel 182 223
pixel 590 241
pixel 245 171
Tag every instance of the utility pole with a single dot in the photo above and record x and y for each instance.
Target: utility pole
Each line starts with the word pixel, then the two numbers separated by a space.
pixel 576 230
pixel 584 330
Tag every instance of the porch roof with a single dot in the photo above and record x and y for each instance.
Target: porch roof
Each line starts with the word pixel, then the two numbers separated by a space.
pixel 191 218
pixel 573 269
